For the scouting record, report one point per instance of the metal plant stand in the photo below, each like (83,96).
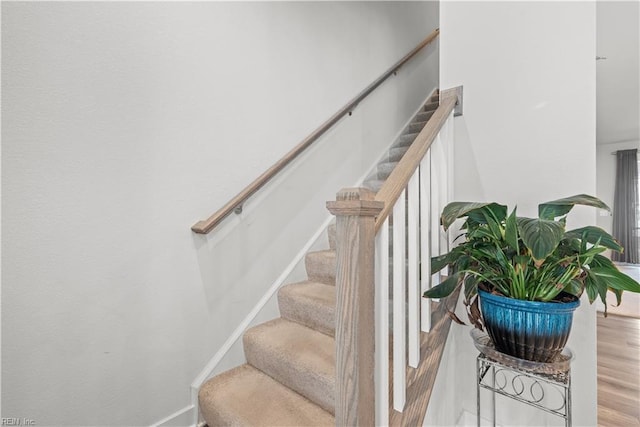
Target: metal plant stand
(546,386)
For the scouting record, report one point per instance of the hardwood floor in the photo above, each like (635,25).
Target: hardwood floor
(618,371)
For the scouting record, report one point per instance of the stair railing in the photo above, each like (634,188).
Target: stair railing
(236,203)
(410,201)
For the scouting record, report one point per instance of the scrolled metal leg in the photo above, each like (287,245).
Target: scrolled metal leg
(493,394)
(479,378)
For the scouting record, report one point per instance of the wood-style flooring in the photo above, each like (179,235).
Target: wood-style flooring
(618,371)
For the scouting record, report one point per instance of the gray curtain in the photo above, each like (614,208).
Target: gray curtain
(625,209)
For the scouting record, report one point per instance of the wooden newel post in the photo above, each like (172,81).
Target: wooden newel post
(355,211)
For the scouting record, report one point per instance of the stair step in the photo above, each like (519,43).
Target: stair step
(311,304)
(374,185)
(435,97)
(321,266)
(431,106)
(423,116)
(416,127)
(245,396)
(396,153)
(385,169)
(406,139)
(296,356)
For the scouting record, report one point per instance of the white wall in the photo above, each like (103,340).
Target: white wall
(618,84)
(527,136)
(125,123)
(444,405)
(618,92)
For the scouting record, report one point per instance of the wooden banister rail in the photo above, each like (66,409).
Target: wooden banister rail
(205,226)
(397,181)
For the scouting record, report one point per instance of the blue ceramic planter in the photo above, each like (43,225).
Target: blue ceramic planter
(530,330)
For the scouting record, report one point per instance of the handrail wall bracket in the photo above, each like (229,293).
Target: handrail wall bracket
(457,92)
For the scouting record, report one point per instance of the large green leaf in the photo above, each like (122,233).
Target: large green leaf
(456,210)
(587,256)
(606,263)
(602,261)
(454,257)
(511,231)
(441,261)
(492,213)
(560,207)
(540,236)
(595,286)
(591,286)
(595,235)
(574,287)
(602,291)
(615,279)
(618,294)
(470,286)
(593,281)
(480,233)
(495,227)
(443,289)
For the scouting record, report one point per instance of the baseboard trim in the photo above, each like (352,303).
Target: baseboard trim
(242,327)
(467,419)
(184,412)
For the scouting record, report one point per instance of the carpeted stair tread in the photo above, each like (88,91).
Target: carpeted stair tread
(321,266)
(416,126)
(311,304)
(296,356)
(431,106)
(384,169)
(374,185)
(406,139)
(245,396)
(423,116)
(396,153)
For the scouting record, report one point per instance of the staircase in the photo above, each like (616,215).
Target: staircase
(375,180)
(289,378)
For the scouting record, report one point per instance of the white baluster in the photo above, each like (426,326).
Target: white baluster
(436,169)
(443,150)
(443,181)
(382,325)
(449,126)
(399,298)
(425,242)
(413,287)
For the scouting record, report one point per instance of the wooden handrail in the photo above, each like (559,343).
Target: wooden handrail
(402,173)
(205,226)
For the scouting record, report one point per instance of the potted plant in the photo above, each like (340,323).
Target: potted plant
(528,272)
